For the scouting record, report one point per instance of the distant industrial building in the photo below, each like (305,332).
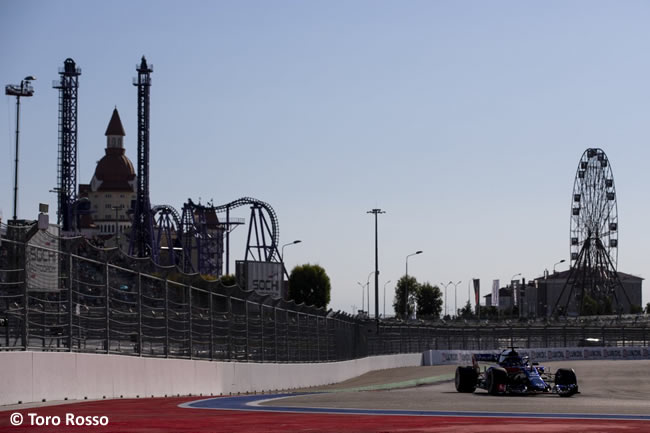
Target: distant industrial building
(538,297)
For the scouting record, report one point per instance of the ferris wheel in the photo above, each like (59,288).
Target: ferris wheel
(594,213)
(593,285)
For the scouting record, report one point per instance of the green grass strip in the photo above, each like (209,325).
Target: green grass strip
(395,385)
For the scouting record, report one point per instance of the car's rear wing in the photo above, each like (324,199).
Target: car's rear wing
(483,357)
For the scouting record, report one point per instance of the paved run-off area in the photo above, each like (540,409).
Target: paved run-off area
(415,399)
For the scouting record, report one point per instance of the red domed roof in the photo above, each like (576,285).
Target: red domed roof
(115,171)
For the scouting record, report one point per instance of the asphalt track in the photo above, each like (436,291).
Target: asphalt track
(615,397)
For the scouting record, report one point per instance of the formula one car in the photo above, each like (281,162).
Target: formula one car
(514,374)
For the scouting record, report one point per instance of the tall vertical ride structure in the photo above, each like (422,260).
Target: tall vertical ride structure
(68,86)
(142,242)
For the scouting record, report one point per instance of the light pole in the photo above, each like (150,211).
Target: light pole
(561,261)
(406,286)
(455,297)
(25,89)
(362,295)
(376,212)
(297,241)
(385,297)
(446,285)
(368,291)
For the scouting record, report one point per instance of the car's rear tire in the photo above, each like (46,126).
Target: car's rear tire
(466,378)
(496,377)
(566,376)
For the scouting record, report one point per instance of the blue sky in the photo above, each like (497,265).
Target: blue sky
(464,120)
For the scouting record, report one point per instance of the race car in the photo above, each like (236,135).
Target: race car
(514,374)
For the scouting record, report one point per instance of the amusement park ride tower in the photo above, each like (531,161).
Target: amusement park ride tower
(142,243)
(68,86)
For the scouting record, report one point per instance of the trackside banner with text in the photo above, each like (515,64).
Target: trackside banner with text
(437,357)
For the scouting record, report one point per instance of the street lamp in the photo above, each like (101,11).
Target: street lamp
(25,89)
(385,297)
(406,286)
(455,298)
(297,241)
(368,292)
(561,261)
(446,285)
(363,286)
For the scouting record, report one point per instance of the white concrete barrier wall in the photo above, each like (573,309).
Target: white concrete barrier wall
(34,376)
(464,357)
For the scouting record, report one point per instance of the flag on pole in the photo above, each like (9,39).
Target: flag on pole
(495,293)
(477,291)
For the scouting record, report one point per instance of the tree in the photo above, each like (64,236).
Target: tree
(467,312)
(635,309)
(429,301)
(589,306)
(309,284)
(400,289)
(228,280)
(647,308)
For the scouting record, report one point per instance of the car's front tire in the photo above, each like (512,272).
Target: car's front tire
(466,378)
(567,377)
(497,379)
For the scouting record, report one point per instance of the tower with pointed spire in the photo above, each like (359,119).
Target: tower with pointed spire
(112,188)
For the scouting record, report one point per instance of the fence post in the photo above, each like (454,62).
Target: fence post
(70,284)
(246,316)
(211,308)
(25,299)
(623,334)
(512,343)
(327,338)
(400,339)
(545,335)
(286,334)
(231,317)
(189,307)
(166,289)
(139,284)
(107,287)
(275,332)
(317,338)
(299,337)
(263,326)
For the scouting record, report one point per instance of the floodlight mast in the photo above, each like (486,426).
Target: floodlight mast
(24,89)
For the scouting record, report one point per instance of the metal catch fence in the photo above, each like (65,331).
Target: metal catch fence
(64,294)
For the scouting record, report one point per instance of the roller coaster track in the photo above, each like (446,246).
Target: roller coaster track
(166,209)
(166,222)
(167,219)
(257,204)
